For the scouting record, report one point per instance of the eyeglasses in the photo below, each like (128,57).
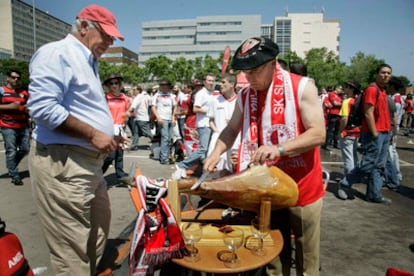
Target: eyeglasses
(113,83)
(102,32)
(15,77)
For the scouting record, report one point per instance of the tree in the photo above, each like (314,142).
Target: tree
(362,68)
(159,67)
(324,67)
(183,70)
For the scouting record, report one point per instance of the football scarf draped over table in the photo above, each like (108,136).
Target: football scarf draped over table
(157,237)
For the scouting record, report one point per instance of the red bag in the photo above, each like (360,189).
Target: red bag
(12,260)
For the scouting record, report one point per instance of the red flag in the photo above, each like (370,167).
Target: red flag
(226,57)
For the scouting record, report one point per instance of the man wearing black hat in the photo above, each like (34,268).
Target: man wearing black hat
(349,135)
(281,124)
(118,104)
(164,107)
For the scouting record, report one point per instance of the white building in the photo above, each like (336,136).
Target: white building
(209,35)
(205,35)
(300,32)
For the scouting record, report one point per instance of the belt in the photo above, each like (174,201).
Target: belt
(88,152)
(85,151)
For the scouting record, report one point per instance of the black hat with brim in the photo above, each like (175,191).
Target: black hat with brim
(254,52)
(354,84)
(112,77)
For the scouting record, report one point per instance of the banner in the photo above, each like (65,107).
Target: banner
(226,58)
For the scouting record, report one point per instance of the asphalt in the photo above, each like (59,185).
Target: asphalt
(357,237)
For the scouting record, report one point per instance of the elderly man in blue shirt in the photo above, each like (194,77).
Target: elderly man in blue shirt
(73,135)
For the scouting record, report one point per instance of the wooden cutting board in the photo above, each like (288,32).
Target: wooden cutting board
(213,236)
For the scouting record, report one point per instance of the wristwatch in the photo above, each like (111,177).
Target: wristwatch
(281,150)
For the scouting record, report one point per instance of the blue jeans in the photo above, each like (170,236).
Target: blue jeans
(166,134)
(142,129)
(204,134)
(332,130)
(181,126)
(349,150)
(16,144)
(392,168)
(118,156)
(374,156)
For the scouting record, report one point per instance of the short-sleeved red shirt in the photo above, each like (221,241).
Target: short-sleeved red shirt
(381,113)
(333,97)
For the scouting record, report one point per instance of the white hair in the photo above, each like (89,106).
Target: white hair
(78,23)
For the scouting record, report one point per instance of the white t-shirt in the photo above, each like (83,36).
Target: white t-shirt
(221,110)
(140,104)
(164,102)
(202,100)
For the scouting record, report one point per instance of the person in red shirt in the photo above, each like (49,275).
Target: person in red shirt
(14,123)
(335,100)
(349,135)
(118,104)
(280,125)
(408,113)
(375,136)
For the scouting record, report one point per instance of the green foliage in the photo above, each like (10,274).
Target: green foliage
(323,66)
(362,68)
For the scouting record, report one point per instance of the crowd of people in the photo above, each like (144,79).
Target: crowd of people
(385,109)
(279,119)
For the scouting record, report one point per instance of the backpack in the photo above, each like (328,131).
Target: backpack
(356,114)
(12,260)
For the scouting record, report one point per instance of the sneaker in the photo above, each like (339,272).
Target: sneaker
(125,181)
(345,193)
(179,173)
(17,181)
(382,200)
(169,162)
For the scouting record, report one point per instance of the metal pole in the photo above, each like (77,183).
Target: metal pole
(34,26)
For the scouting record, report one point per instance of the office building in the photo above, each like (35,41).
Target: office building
(24,29)
(120,55)
(204,35)
(209,35)
(300,32)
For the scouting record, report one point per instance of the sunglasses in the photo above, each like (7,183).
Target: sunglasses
(15,77)
(113,83)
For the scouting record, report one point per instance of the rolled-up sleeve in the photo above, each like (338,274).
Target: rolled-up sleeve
(49,80)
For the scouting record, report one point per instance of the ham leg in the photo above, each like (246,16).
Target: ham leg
(246,189)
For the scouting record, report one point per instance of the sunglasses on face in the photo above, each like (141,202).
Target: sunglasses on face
(113,83)
(15,77)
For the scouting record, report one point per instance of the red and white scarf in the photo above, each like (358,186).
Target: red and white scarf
(157,238)
(278,120)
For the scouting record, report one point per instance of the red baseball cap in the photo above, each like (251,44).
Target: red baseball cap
(104,17)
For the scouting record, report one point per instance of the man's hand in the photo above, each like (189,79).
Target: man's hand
(103,142)
(265,153)
(211,162)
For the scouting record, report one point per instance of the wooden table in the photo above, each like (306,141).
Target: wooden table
(208,254)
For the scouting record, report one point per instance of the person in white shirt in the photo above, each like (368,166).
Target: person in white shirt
(220,112)
(201,105)
(164,107)
(140,106)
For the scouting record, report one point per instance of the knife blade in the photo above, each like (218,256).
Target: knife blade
(200,180)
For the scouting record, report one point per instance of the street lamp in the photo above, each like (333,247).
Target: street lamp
(34,26)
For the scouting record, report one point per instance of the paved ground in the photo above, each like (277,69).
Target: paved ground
(358,238)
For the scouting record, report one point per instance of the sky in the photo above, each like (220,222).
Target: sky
(383,28)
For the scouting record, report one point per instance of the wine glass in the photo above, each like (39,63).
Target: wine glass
(233,239)
(192,233)
(260,229)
